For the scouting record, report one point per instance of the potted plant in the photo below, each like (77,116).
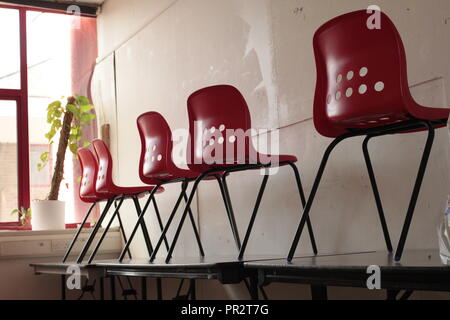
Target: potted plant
(68,120)
(24,217)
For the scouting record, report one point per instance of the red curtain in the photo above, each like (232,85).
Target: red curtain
(84,55)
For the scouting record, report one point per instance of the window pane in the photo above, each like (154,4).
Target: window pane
(10,52)
(8,161)
(48,50)
(49,79)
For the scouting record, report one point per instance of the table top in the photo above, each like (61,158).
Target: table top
(227,269)
(184,262)
(419,269)
(412,259)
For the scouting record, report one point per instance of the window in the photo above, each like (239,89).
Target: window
(8,160)
(10,53)
(35,69)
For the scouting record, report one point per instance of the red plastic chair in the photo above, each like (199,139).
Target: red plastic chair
(88,194)
(362,90)
(222,115)
(105,186)
(158,168)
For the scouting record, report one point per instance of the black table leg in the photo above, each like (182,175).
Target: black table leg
(254,290)
(63,287)
(102,289)
(144,288)
(159,293)
(319,293)
(113,287)
(193,290)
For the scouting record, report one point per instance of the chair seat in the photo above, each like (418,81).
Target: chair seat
(287,158)
(96,198)
(115,191)
(374,121)
(427,113)
(261,159)
(176,174)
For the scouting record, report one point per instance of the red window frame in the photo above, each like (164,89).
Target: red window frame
(21,98)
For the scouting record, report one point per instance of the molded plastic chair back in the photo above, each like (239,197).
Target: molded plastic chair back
(104,177)
(361,75)
(89,171)
(156,162)
(214,113)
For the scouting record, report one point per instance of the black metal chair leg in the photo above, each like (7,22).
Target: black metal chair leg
(376,193)
(122,230)
(183,217)
(147,240)
(314,189)
(94,231)
(253,217)
(160,223)
(229,208)
(194,226)
(231,213)
(138,223)
(75,238)
(416,191)
(108,226)
(303,200)
(169,222)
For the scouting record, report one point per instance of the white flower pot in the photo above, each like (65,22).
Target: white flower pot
(48,215)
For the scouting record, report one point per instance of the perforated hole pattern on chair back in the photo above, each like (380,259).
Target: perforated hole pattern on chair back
(156,147)
(220,117)
(361,74)
(89,171)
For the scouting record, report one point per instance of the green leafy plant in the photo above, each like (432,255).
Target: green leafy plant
(24,215)
(68,120)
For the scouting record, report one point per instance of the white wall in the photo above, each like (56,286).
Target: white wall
(165,50)
(19,282)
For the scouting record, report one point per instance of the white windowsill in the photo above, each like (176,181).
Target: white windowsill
(33,233)
(33,244)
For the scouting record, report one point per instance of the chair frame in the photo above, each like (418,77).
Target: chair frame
(141,223)
(403,127)
(80,229)
(226,196)
(184,185)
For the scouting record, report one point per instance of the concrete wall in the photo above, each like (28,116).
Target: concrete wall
(165,50)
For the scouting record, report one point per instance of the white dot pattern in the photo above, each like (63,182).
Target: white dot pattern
(361,88)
